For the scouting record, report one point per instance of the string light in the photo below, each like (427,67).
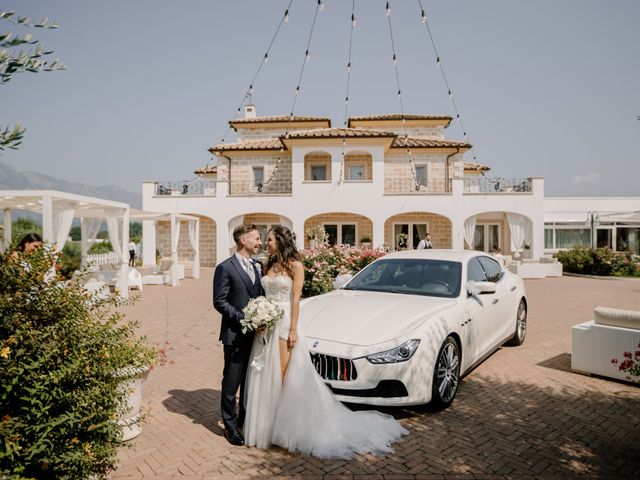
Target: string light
(387,10)
(353,20)
(346,97)
(266,57)
(320,5)
(307,56)
(286,16)
(423,18)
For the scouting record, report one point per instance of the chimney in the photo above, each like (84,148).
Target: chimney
(249,111)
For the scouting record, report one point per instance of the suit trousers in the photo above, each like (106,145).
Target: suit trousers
(236,361)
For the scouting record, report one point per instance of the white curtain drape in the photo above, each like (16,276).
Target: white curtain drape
(89,228)
(519,226)
(194,240)
(469,231)
(114,228)
(62,220)
(175,238)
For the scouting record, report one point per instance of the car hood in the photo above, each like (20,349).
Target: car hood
(366,318)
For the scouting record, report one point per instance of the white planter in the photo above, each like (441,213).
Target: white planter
(132,380)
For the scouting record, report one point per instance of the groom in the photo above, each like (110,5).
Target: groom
(235,282)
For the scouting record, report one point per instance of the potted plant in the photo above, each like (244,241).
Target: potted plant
(365,241)
(61,351)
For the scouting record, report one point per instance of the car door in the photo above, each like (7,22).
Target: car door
(502,317)
(476,311)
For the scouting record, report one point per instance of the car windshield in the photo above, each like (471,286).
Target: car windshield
(434,278)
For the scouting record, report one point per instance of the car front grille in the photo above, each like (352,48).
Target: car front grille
(334,368)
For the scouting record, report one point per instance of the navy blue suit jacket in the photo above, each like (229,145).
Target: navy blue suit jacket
(232,290)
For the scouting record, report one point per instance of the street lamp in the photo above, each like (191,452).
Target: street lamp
(593,221)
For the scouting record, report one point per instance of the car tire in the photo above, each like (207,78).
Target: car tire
(521,325)
(446,375)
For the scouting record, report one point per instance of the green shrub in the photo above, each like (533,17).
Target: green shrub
(599,261)
(322,265)
(59,349)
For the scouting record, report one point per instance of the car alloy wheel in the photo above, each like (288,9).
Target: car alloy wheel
(446,374)
(521,325)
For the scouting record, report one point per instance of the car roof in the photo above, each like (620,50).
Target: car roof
(437,254)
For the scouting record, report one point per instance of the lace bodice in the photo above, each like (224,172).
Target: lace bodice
(278,288)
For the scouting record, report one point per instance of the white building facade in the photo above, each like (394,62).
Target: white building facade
(383,181)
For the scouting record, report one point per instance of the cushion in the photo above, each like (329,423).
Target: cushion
(616,317)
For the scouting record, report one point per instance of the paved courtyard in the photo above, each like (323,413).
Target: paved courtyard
(520,414)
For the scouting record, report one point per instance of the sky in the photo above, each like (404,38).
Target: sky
(546,89)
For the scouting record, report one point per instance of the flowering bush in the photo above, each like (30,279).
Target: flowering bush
(600,261)
(630,364)
(323,264)
(60,348)
(319,234)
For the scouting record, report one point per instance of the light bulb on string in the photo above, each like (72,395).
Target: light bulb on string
(307,56)
(395,59)
(353,20)
(250,89)
(266,57)
(286,16)
(349,67)
(346,100)
(458,117)
(399,93)
(438,62)
(320,5)
(424,17)
(297,90)
(387,10)
(450,95)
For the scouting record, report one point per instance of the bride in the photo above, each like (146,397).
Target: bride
(287,403)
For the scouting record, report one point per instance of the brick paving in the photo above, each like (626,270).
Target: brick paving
(521,414)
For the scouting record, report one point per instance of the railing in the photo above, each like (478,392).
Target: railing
(97,259)
(186,187)
(497,185)
(439,185)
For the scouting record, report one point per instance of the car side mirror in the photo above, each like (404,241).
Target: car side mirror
(480,288)
(341,280)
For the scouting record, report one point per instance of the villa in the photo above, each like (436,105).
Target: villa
(383,181)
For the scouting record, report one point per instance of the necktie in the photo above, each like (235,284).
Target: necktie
(248,265)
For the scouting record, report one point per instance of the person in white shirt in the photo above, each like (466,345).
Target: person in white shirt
(132,253)
(498,256)
(425,242)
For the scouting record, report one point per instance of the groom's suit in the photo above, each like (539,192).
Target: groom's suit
(232,290)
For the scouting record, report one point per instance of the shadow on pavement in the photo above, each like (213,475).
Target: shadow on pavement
(201,406)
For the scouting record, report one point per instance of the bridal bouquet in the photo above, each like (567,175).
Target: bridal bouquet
(260,313)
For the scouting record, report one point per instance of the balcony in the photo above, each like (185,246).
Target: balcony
(497,185)
(408,187)
(201,188)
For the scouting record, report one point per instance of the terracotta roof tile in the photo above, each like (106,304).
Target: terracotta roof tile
(279,119)
(339,133)
(476,166)
(399,116)
(261,144)
(411,142)
(207,169)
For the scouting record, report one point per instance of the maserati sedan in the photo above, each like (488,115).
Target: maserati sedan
(409,326)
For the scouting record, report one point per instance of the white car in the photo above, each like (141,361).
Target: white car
(407,327)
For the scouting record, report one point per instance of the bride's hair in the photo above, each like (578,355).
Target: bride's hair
(287,251)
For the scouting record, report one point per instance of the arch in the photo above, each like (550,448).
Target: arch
(263,220)
(317,166)
(486,237)
(416,224)
(343,228)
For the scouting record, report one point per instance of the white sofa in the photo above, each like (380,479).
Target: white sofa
(594,343)
(536,268)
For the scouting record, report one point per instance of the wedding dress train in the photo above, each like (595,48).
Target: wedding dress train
(302,415)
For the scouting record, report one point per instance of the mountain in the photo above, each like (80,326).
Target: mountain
(13,179)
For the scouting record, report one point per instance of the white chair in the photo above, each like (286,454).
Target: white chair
(594,343)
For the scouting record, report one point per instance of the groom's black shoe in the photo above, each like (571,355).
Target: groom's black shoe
(234,437)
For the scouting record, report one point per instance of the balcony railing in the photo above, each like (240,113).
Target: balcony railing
(439,185)
(497,185)
(186,187)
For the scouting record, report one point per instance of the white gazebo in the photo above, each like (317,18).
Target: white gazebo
(149,220)
(58,209)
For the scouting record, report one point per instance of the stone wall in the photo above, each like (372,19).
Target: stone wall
(398,177)
(242,179)
(185,252)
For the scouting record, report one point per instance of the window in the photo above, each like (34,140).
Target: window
(475,273)
(491,268)
(408,235)
(319,172)
(263,230)
(421,175)
(341,233)
(258,176)
(486,237)
(604,238)
(548,238)
(573,237)
(355,172)
(628,239)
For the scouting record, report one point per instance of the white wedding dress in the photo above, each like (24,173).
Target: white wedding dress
(303,415)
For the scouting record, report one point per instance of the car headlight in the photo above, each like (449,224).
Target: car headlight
(401,353)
